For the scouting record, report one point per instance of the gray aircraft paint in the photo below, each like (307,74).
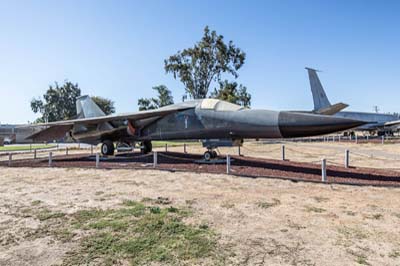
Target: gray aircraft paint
(200,119)
(376,120)
(320,99)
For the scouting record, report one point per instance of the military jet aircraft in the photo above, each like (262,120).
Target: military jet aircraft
(194,120)
(380,123)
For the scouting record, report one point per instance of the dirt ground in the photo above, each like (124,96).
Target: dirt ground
(257,221)
(371,155)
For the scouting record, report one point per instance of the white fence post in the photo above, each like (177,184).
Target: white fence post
(228,163)
(323,170)
(347,159)
(166,147)
(356,139)
(184,148)
(50,158)
(283,152)
(383,139)
(97,160)
(9,159)
(155,159)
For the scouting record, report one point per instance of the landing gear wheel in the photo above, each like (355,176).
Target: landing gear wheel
(207,155)
(147,147)
(214,154)
(107,148)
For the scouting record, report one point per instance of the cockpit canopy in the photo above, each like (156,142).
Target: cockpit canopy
(219,105)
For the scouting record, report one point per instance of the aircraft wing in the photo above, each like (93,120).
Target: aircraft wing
(59,129)
(332,109)
(109,118)
(52,132)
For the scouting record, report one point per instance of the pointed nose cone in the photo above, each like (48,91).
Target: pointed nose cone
(292,125)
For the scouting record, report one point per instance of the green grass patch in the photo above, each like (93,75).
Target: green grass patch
(26,147)
(362,260)
(227,205)
(315,209)
(267,205)
(394,254)
(352,233)
(350,213)
(46,214)
(141,235)
(376,216)
(36,202)
(321,199)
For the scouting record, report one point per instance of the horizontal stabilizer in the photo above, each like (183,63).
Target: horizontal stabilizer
(331,110)
(392,123)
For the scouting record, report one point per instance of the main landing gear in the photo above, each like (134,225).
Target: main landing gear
(107,148)
(146,147)
(210,154)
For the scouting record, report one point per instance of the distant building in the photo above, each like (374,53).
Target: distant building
(16,134)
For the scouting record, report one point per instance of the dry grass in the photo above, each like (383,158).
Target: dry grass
(254,221)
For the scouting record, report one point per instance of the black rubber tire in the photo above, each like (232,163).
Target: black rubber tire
(147,147)
(107,148)
(207,155)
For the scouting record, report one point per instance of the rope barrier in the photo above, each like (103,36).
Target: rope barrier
(334,163)
(313,154)
(174,157)
(143,156)
(373,157)
(263,151)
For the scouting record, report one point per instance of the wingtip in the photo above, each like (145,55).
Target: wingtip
(313,69)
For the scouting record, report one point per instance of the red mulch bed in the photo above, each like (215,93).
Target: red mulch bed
(241,166)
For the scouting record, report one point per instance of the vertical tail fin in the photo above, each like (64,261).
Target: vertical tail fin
(86,107)
(320,99)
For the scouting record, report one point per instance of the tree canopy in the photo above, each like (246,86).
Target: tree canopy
(105,104)
(164,98)
(199,66)
(232,92)
(59,103)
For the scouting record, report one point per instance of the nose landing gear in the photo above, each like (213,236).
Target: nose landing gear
(210,154)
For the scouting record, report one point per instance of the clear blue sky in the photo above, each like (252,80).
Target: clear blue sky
(116,49)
